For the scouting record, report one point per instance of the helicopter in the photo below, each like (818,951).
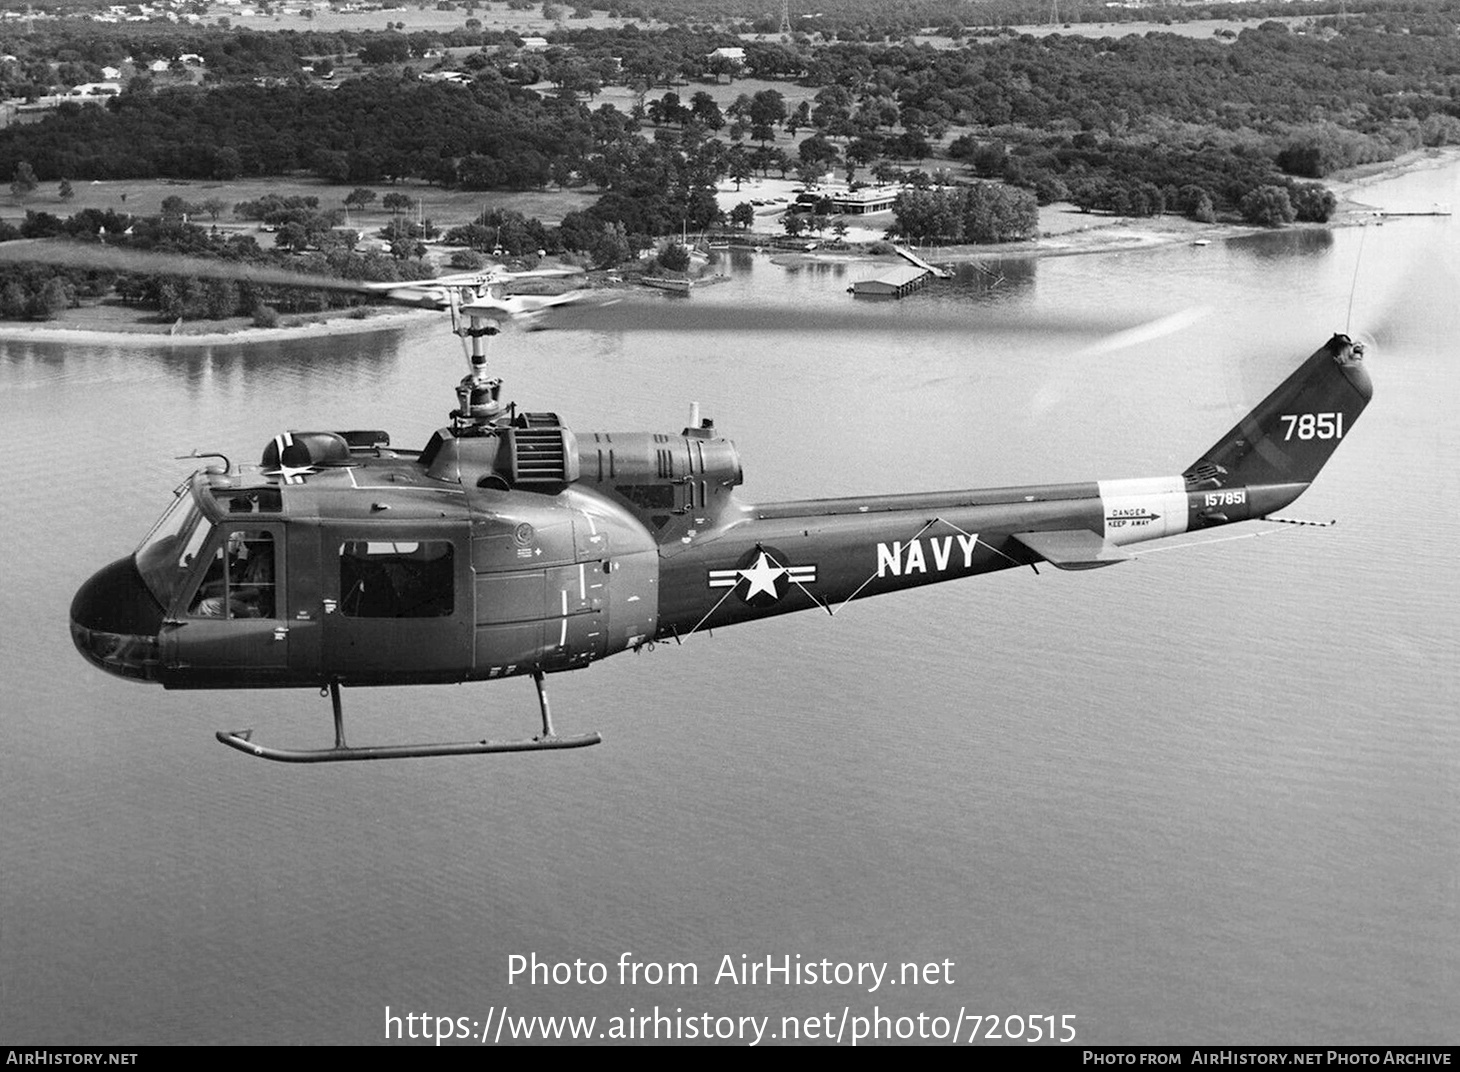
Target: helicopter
(509,545)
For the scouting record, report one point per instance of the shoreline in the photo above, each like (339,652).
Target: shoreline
(395,319)
(1346,183)
(1101,235)
(1122,234)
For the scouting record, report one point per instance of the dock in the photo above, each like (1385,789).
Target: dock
(893,283)
(912,258)
(1439,208)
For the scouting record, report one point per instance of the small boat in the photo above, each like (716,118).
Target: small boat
(1202,242)
(679,286)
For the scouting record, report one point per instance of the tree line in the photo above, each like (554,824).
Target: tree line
(1180,97)
(41,292)
(877,20)
(1135,125)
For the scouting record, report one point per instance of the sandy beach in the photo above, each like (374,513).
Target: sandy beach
(1348,185)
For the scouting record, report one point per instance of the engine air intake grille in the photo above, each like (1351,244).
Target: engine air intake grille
(541,456)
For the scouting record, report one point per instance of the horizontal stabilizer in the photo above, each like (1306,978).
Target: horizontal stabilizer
(1072,549)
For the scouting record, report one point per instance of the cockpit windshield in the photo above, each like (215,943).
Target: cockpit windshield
(167,555)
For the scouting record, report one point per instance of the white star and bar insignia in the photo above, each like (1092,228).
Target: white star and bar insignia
(763,576)
(292,474)
(288,474)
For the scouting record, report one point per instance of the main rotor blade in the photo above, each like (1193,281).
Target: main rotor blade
(615,313)
(482,277)
(94,256)
(1147,332)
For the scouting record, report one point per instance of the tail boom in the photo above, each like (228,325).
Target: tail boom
(778,557)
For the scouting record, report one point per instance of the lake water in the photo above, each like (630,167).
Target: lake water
(1210,796)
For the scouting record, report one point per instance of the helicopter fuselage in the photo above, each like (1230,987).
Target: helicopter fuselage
(521,548)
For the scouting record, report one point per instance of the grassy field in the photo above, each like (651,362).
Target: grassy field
(498,17)
(530,23)
(1198,28)
(143,197)
(724,93)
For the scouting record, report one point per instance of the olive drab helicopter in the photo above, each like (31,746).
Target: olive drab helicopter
(510,545)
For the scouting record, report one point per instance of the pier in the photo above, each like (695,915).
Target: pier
(912,258)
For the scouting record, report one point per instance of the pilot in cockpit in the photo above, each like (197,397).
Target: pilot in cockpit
(240,583)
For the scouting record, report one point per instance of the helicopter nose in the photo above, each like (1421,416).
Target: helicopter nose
(115,622)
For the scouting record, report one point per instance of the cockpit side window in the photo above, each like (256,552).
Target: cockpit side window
(240,582)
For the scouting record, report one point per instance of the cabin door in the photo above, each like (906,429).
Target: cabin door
(395,611)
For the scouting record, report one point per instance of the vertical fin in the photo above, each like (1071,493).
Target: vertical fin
(1292,433)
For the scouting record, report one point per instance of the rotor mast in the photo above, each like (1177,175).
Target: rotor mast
(479,396)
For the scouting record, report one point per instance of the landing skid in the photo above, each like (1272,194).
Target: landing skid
(343,753)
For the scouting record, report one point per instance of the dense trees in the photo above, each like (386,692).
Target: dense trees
(359,197)
(1195,203)
(847,20)
(1129,197)
(42,291)
(1312,202)
(1048,114)
(877,20)
(1268,206)
(983,212)
(24,182)
(375,129)
(1134,125)
(35,295)
(673,258)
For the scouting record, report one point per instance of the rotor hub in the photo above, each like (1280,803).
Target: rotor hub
(479,403)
